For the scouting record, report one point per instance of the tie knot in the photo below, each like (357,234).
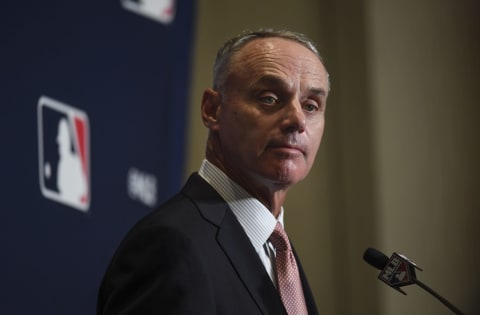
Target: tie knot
(279,238)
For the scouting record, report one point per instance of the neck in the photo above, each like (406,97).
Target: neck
(270,194)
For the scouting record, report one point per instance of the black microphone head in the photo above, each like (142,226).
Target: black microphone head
(375,258)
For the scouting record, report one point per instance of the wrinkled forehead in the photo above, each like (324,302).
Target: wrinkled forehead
(277,56)
(273,47)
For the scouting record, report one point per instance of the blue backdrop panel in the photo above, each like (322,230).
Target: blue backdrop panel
(93,109)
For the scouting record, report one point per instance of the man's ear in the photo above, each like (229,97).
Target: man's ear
(211,109)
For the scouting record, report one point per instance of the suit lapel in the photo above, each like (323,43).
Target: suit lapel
(250,269)
(236,245)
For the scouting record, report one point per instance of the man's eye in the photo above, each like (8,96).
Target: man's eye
(269,100)
(310,107)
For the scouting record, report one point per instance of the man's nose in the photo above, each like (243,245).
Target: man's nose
(294,119)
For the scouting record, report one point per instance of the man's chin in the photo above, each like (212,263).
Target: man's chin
(288,176)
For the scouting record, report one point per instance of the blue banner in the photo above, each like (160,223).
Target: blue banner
(93,105)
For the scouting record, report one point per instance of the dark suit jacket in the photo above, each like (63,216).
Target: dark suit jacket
(190,256)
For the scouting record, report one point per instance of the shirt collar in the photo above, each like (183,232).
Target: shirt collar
(257,221)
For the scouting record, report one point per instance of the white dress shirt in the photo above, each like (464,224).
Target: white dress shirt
(257,221)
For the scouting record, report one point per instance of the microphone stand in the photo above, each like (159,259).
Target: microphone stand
(438,297)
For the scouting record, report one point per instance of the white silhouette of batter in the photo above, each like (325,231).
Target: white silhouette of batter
(71,180)
(162,8)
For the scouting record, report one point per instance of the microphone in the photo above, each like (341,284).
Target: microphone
(399,271)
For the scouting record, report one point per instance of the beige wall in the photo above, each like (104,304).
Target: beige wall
(398,168)
(424,58)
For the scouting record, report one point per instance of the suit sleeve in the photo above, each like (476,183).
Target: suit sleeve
(156,271)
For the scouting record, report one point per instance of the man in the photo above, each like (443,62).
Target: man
(210,249)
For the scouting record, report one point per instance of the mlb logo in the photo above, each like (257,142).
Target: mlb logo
(401,276)
(64,153)
(162,11)
(398,272)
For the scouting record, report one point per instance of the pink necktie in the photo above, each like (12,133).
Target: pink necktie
(288,279)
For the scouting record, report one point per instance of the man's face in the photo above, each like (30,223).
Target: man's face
(272,112)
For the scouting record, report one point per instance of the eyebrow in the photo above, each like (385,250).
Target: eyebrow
(318,91)
(271,79)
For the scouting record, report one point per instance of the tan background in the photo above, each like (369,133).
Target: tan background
(399,165)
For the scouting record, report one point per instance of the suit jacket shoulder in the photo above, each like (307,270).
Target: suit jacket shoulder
(189,256)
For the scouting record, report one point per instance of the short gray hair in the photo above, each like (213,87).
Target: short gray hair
(221,66)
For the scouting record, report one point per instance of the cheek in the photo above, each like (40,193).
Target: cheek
(238,129)
(316,140)
(243,121)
